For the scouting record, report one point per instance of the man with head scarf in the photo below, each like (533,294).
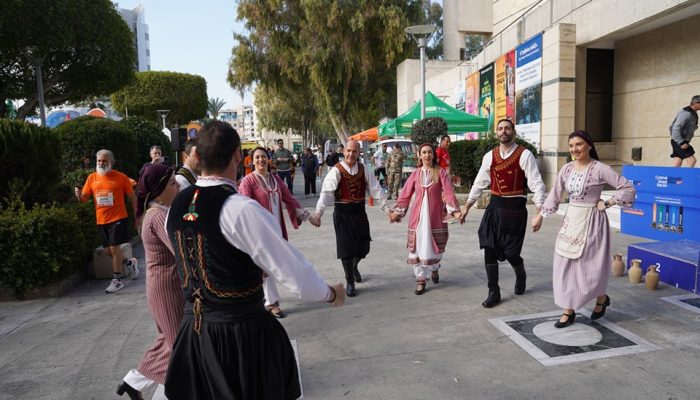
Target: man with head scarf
(508,170)
(109,189)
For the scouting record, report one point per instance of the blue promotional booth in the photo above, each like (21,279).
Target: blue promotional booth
(667,209)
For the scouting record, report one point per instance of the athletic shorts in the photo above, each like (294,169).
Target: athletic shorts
(681,153)
(113,234)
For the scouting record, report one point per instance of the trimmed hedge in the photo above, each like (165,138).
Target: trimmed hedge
(466,156)
(30,156)
(82,137)
(148,134)
(43,244)
(428,130)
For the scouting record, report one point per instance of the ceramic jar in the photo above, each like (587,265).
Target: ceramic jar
(635,271)
(651,280)
(618,267)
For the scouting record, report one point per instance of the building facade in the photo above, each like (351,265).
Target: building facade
(136,20)
(620,70)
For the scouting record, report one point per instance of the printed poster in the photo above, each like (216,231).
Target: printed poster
(505,87)
(486,101)
(528,97)
(471,100)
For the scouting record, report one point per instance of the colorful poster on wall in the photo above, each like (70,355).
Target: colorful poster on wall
(505,87)
(486,102)
(471,100)
(528,82)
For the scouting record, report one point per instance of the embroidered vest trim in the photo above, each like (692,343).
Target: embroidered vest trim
(507,178)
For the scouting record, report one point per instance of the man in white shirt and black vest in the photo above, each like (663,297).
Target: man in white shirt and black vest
(187,174)
(346,185)
(508,170)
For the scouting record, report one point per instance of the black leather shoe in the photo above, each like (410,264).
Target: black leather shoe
(435,277)
(492,299)
(569,320)
(420,287)
(350,289)
(356,273)
(131,392)
(605,304)
(520,280)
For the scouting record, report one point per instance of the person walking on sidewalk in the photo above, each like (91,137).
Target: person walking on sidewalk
(309,166)
(427,230)
(156,190)
(379,161)
(110,189)
(505,169)
(269,190)
(582,249)
(346,185)
(682,130)
(394,167)
(228,345)
(319,157)
(187,174)
(283,160)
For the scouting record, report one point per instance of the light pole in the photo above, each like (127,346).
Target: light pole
(40,89)
(163,114)
(421,34)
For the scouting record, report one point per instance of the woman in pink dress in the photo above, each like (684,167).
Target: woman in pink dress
(582,250)
(156,190)
(270,191)
(427,229)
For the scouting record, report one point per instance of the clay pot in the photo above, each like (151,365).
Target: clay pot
(635,271)
(652,278)
(618,267)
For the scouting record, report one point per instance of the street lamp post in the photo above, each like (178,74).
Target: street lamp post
(163,114)
(40,89)
(421,34)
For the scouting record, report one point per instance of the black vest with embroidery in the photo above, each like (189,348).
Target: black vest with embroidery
(187,174)
(210,268)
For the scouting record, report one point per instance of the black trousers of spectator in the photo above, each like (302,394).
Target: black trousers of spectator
(286,176)
(310,183)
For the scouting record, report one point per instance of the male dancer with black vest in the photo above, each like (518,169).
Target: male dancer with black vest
(508,170)
(229,346)
(346,185)
(187,174)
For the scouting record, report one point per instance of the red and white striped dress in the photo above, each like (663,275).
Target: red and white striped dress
(163,293)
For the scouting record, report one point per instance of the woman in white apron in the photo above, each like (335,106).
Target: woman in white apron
(582,250)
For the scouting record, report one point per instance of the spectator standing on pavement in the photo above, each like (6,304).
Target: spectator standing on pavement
(582,250)
(682,131)
(283,159)
(156,154)
(394,167)
(309,166)
(346,185)
(379,161)
(269,190)
(427,229)
(110,189)
(156,190)
(228,345)
(334,157)
(506,170)
(319,157)
(248,162)
(187,174)
(442,153)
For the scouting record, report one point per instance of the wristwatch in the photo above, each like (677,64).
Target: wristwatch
(606,205)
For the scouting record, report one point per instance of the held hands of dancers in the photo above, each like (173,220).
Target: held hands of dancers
(463,214)
(536,222)
(315,220)
(394,217)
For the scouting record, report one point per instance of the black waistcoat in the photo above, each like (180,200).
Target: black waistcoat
(209,266)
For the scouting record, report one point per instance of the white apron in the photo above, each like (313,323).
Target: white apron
(573,233)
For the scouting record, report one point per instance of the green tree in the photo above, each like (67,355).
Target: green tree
(433,16)
(473,44)
(84,47)
(214,106)
(185,95)
(428,130)
(349,69)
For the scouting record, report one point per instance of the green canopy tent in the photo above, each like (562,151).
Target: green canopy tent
(457,121)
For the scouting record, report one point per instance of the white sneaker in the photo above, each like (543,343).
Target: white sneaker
(135,266)
(115,286)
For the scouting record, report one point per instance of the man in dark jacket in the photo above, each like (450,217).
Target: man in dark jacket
(682,130)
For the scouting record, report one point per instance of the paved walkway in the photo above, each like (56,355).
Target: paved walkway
(388,343)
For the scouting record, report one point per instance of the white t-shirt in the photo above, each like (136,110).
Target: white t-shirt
(380,158)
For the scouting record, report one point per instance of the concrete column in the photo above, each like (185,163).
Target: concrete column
(558,97)
(452,39)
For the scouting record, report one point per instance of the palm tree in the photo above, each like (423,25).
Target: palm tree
(214,107)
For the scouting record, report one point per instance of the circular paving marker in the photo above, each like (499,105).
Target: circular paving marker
(573,335)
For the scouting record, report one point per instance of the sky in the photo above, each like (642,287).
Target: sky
(194,37)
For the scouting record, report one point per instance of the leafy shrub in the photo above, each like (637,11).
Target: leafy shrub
(42,244)
(82,137)
(30,157)
(428,130)
(148,134)
(466,156)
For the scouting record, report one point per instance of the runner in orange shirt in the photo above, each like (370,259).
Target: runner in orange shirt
(109,189)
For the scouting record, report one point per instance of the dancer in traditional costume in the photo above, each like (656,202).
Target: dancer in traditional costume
(346,185)
(427,229)
(582,250)
(270,191)
(228,345)
(505,170)
(155,192)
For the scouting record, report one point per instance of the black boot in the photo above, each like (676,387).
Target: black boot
(494,296)
(355,271)
(349,277)
(520,279)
